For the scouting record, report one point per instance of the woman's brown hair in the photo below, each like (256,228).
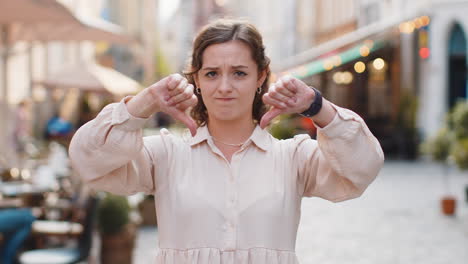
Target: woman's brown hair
(221,31)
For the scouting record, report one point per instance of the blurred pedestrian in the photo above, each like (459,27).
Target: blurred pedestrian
(22,126)
(15,227)
(58,127)
(22,131)
(60,130)
(230,192)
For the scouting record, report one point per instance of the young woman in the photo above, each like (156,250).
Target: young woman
(230,193)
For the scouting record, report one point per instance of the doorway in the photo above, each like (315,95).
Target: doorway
(457,69)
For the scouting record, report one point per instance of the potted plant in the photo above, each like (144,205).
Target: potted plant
(148,211)
(283,127)
(407,137)
(116,230)
(439,148)
(459,124)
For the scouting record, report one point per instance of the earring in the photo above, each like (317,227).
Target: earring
(198,91)
(259,90)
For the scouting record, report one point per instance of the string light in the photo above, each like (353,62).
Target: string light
(14,172)
(345,77)
(378,64)
(359,67)
(424,52)
(364,51)
(328,65)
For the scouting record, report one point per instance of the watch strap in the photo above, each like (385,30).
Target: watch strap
(316,105)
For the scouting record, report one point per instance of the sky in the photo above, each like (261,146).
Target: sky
(167,8)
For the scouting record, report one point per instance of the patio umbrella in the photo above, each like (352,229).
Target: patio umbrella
(48,20)
(18,17)
(34,11)
(93,29)
(91,77)
(40,20)
(86,29)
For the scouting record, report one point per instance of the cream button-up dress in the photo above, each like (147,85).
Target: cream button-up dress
(212,211)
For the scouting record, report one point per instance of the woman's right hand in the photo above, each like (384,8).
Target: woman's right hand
(172,95)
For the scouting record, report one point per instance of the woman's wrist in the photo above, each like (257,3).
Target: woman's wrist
(325,115)
(142,105)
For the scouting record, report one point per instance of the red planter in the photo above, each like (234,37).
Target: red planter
(118,248)
(448,204)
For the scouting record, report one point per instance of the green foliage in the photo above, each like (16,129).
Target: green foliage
(113,214)
(458,120)
(406,132)
(460,153)
(163,67)
(407,111)
(439,147)
(284,128)
(452,140)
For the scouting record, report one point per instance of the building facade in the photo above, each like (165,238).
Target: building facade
(268,16)
(443,74)
(397,63)
(275,19)
(139,20)
(361,56)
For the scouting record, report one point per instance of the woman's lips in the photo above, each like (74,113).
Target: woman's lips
(225,99)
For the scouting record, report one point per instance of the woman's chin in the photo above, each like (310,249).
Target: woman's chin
(225,116)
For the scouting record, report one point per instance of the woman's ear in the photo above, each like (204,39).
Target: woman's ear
(262,77)
(195,79)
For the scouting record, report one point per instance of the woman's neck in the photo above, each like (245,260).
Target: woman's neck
(231,131)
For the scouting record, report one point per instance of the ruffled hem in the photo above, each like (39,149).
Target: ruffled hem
(217,256)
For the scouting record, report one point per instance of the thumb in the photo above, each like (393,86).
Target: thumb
(268,116)
(187,121)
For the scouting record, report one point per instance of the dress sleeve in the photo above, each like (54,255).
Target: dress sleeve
(343,161)
(110,153)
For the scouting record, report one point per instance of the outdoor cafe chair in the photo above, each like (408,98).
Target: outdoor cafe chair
(67,255)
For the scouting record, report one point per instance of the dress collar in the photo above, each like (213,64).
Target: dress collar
(260,137)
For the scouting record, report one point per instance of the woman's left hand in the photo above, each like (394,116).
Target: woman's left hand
(287,96)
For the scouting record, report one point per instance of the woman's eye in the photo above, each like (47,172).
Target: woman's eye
(210,74)
(240,73)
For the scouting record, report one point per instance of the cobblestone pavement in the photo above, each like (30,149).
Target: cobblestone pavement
(396,221)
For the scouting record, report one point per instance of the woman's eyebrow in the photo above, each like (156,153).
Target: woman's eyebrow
(240,66)
(212,68)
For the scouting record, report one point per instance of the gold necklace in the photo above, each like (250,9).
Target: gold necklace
(228,144)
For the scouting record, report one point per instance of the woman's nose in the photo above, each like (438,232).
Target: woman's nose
(225,85)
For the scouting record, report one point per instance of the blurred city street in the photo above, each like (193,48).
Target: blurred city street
(397,221)
(402,66)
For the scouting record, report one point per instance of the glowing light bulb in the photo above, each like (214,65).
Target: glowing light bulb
(364,51)
(378,64)
(359,67)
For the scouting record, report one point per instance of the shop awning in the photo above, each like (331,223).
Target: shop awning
(88,29)
(32,12)
(346,48)
(334,60)
(84,29)
(49,20)
(91,77)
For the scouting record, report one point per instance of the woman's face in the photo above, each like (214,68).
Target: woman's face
(228,80)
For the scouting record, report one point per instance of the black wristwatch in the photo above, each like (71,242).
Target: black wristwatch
(316,105)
